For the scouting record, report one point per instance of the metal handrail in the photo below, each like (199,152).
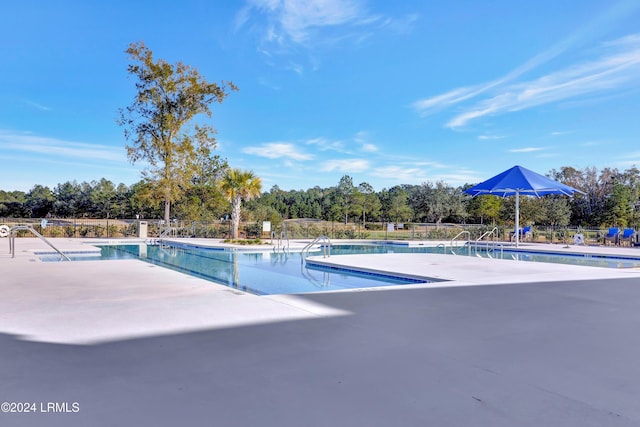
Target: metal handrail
(468,233)
(280,241)
(326,277)
(167,231)
(493,232)
(283,236)
(326,249)
(12,240)
(465,232)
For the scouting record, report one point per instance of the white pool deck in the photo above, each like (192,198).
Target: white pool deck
(137,344)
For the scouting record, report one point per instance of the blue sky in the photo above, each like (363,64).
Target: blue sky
(386,92)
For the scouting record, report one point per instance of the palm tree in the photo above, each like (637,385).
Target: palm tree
(237,185)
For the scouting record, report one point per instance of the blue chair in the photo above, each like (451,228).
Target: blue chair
(628,235)
(524,233)
(613,235)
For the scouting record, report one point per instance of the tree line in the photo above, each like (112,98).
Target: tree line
(612,199)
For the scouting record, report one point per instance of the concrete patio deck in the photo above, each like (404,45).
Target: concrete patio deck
(135,344)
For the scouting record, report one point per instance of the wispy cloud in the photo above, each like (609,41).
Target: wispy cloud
(345,165)
(36,105)
(592,143)
(525,150)
(430,164)
(26,142)
(402,25)
(291,27)
(458,178)
(294,21)
(615,67)
(268,83)
(400,174)
(276,150)
(490,137)
(436,103)
(362,138)
(324,144)
(369,148)
(611,71)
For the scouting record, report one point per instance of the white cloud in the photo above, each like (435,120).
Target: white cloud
(592,143)
(430,164)
(369,148)
(45,146)
(403,25)
(295,20)
(298,17)
(36,105)
(489,137)
(275,150)
(400,174)
(267,83)
(345,165)
(362,139)
(327,145)
(458,178)
(616,69)
(525,150)
(439,102)
(419,172)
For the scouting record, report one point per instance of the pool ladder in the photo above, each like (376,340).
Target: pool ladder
(12,240)
(455,239)
(169,232)
(280,241)
(325,245)
(489,248)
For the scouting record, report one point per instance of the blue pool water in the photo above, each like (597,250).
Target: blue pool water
(590,260)
(266,273)
(261,273)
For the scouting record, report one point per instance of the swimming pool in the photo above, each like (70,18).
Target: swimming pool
(267,272)
(508,253)
(261,273)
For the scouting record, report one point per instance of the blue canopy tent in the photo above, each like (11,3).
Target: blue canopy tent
(517,181)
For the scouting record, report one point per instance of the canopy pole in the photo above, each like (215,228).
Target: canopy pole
(517,216)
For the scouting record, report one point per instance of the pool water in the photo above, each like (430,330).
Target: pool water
(261,273)
(265,273)
(589,260)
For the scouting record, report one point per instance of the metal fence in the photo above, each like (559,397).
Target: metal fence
(296,229)
(76,227)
